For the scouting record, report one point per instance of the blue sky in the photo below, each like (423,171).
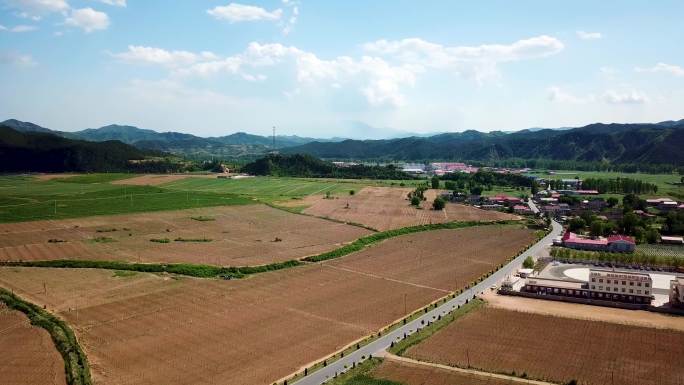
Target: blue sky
(346,68)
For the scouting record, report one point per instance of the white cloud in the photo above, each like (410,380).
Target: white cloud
(87,19)
(116,3)
(3,28)
(23,28)
(293,6)
(626,97)
(589,35)
(158,56)
(556,94)
(18,60)
(36,8)
(235,12)
(671,69)
(479,62)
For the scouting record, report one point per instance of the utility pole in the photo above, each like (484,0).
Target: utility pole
(405,303)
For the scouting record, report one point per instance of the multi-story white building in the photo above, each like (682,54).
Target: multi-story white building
(677,292)
(620,286)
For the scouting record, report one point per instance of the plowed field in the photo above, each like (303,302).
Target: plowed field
(239,236)
(27,354)
(557,349)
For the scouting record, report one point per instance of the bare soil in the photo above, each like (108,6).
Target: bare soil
(585,312)
(441,259)
(27,354)
(45,177)
(415,374)
(385,208)
(557,349)
(152,329)
(240,236)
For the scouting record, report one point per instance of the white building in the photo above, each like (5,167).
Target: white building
(620,286)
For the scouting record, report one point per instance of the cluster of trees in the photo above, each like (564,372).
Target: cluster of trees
(588,166)
(300,165)
(644,230)
(624,258)
(619,185)
(481,181)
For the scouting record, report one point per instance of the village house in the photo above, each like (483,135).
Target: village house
(614,243)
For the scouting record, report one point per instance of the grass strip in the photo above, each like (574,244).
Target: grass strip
(361,375)
(400,347)
(193,270)
(366,241)
(76,366)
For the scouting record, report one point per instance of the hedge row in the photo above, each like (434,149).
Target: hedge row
(76,366)
(193,270)
(364,242)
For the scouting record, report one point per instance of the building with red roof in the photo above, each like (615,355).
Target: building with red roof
(614,243)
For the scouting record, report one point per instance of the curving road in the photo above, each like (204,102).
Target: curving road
(378,347)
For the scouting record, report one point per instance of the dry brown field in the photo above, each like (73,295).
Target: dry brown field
(27,353)
(441,259)
(586,312)
(240,236)
(557,349)
(415,374)
(151,179)
(46,177)
(151,329)
(384,208)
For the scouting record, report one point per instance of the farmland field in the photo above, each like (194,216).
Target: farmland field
(440,259)
(415,374)
(213,331)
(27,198)
(661,250)
(557,349)
(385,208)
(27,353)
(59,196)
(233,236)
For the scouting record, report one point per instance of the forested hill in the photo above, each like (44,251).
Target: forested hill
(307,166)
(44,152)
(658,143)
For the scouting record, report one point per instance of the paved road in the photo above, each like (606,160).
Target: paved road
(377,347)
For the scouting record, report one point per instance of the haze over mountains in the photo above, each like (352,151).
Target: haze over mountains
(651,143)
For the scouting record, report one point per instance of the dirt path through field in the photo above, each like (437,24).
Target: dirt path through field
(511,379)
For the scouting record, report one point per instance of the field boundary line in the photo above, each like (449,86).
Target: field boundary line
(393,357)
(385,278)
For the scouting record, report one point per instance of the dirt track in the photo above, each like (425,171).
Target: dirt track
(27,353)
(385,208)
(240,235)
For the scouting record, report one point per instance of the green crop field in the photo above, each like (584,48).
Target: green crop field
(270,189)
(25,198)
(668,184)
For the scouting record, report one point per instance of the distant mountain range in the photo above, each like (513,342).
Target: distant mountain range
(652,143)
(239,144)
(645,143)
